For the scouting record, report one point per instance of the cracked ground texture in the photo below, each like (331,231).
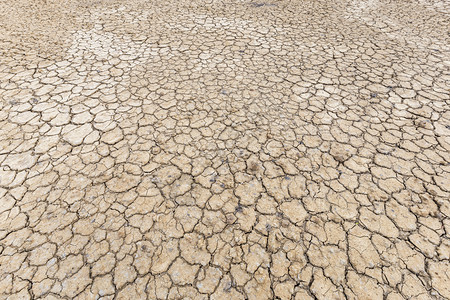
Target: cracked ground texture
(224,149)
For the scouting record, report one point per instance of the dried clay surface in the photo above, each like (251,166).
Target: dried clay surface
(224,149)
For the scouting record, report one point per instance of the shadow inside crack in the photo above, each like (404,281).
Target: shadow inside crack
(256,4)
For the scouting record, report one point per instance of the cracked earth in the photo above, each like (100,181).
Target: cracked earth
(224,149)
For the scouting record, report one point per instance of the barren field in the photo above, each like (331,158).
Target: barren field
(228,149)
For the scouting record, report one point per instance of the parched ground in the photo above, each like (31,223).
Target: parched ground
(230,149)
